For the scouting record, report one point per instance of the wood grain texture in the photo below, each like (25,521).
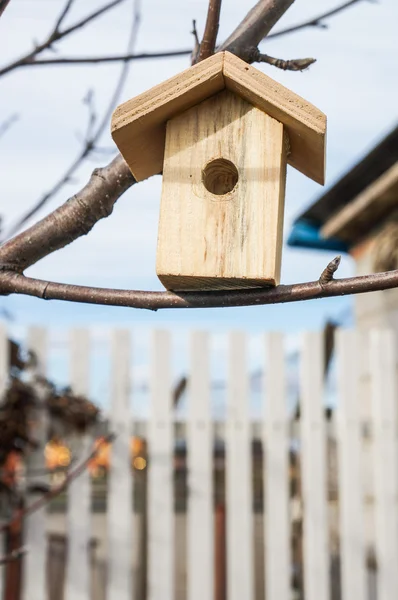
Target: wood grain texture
(363,212)
(305,124)
(139,125)
(209,241)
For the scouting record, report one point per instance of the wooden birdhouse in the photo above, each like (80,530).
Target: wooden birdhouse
(221,133)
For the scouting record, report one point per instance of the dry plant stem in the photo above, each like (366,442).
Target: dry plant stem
(57,35)
(15,283)
(208,42)
(74,218)
(45,498)
(315,21)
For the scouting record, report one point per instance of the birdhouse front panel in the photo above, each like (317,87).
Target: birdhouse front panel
(221,214)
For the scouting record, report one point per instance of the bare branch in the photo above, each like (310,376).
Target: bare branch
(45,498)
(194,53)
(3,6)
(73,219)
(92,137)
(255,27)
(63,15)
(328,273)
(86,60)
(296,64)
(208,43)
(15,283)
(316,21)
(57,35)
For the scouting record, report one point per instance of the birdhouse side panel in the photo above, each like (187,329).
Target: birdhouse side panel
(221,214)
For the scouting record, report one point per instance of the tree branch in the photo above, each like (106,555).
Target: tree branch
(86,60)
(208,42)
(73,219)
(315,21)
(92,137)
(15,283)
(255,27)
(296,64)
(56,35)
(3,5)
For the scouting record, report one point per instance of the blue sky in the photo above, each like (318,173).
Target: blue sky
(353,82)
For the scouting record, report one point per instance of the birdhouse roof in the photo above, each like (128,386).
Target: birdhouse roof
(139,125)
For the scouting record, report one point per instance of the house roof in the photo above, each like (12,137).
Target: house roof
(139,125)
(354,204)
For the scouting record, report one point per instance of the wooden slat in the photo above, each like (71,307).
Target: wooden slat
(313,469)
(304,123)
(77,585)
(200,569)
(369,206)
(4,372)
(232,239)
(139,125)
(239,495)
(352,549)
(160,475)
(34,571)
(120,535)
(383,365)
(276,473)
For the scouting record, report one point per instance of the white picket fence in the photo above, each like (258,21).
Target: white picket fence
(360,358)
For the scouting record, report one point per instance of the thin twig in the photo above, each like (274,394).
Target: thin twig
(86,60)
(15,283)
(63,15)
(9,122)
(194,53)
(328,273)
(91,139)
(315,21)
(208,43)
(14,554)
(295,64)
(57,35)
(43,500)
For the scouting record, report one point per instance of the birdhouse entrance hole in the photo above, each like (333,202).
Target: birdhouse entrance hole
(220,176)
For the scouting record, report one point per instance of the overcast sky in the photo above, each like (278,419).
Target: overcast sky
(354,82)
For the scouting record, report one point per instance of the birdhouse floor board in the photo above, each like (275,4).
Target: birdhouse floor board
(221,213)
(211,284)
(139,125)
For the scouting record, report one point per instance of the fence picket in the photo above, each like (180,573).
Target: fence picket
(313,469)
(276,473)
(34,574)
(4,369)
(78,576)
(383,364)
(200,562)
(160,474)
(352,549)
(119,517)
(239,495)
